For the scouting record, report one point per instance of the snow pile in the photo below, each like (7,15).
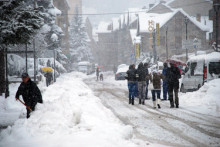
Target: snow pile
(206,100)
(70,116)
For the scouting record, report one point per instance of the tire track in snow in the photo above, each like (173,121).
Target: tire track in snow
(122,96)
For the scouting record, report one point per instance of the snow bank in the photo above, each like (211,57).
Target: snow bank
(70,116)
(206,100)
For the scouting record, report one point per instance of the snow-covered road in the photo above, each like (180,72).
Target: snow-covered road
(80,111)
(172,127)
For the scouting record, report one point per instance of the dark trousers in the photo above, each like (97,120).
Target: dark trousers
(165,90)
(141,91)
(154,93)
(146,94)
(28,111)
(131,88)
(172,88)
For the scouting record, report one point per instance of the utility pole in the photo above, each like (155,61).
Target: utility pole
(154,46)
(186,20)
(217,9)
(167,54)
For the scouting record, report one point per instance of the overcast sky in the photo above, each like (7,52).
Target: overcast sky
(111,6)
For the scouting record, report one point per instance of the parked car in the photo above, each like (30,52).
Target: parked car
(200,69)
(121,72)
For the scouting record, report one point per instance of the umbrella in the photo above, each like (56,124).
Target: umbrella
(47,69)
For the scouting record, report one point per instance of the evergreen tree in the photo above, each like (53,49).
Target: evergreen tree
(79,48)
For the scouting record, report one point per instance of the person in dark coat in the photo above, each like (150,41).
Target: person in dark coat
(173,76)
(49,78)
(147,80)
(30,93)
(165,83)
(141,78)
(131,77)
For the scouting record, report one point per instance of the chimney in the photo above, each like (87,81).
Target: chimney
(198,17)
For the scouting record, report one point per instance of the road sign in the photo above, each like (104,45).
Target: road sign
(197,43)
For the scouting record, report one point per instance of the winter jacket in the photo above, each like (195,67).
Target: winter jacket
(49,76)
(173,76)
(30,93)
(131,74)
(164,73)
(141,73)
(156,80)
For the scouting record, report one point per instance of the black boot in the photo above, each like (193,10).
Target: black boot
(158,105)
(143,103)
(129,100)
(139,101)
(132,101)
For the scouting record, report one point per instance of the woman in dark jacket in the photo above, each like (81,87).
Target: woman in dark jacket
(131,77)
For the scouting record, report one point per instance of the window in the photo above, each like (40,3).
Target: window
(214,68)
(192,68)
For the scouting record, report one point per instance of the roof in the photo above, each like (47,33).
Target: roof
(162,19)
(207,57)
(103,27)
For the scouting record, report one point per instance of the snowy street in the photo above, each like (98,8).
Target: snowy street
(172,127)
(75,113)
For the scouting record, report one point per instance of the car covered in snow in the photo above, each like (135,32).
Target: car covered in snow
(200,69)
(121,72)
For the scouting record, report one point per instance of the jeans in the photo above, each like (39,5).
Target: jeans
(165,89)
(154,93)
(141,90)
(131,88)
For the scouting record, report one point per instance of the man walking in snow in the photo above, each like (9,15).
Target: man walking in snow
(30,93)
(173,76)
(147,80)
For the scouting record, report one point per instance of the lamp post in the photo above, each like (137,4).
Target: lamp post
(167,54)
(217,9)
(186,20)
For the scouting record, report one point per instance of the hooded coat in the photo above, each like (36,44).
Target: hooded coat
(141,72)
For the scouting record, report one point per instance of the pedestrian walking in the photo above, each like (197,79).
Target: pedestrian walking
(131,77)
(147,80)
(155,78)
(49,78)
(165,81)
(141,78)
(97,73)
(173,76)
(101,77)
(30,93)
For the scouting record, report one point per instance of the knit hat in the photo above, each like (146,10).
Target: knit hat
(24,75)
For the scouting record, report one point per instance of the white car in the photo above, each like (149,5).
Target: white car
(200,69)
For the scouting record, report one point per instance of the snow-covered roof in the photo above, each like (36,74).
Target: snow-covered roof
(134,37)
(115,24)
(214,56)
(162,19)
(103,27)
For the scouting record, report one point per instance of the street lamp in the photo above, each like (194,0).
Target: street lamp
(186,20)
(217,9)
